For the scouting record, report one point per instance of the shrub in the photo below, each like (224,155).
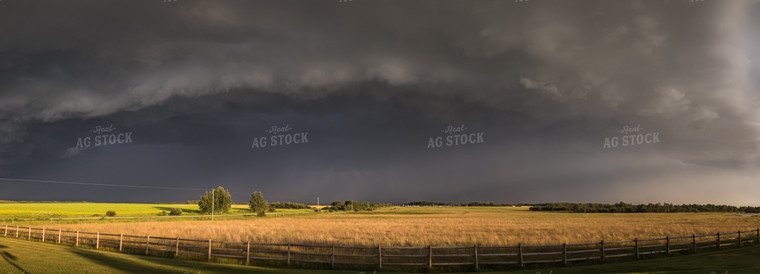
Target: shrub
(111,213)
(175,212)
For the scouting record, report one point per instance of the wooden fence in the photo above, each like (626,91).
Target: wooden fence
(378,257)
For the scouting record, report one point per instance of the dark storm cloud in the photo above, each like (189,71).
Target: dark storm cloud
(547,81)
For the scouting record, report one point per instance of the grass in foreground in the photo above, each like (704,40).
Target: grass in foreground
(21,256)
(732,261)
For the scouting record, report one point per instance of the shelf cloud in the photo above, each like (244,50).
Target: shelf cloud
(372,81)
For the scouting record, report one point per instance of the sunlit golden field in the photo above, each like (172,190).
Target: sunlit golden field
(438,226)
(85,209)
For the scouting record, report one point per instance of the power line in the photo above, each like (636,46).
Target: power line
(16,180)
(96,184)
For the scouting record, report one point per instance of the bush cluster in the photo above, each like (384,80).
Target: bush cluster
(289,205)
(352,205)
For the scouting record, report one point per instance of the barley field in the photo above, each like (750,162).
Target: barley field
(437,226)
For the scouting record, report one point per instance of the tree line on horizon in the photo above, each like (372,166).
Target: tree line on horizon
(223,202)
(428,203)
(622,207)
(220,201)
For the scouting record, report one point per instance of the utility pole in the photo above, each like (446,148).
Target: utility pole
(213,201)
(318,209)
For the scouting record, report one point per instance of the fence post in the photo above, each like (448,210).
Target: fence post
(77,241)
(636,241)
(209,251)
(332,260)
(121,241)
(380,256)
(564,253)
(5,233)
(718,240)
(667,245)
(288,253)
(97,240)
(248,252)
(30,233)
(477,264)
(176,249)
(602,250)
(739,239)
(147,244)
(43,234)
(59,236)
(16,231)
(693,243)
(430,256)
(519,255)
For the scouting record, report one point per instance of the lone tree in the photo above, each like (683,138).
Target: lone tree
(258,204)
(221,198)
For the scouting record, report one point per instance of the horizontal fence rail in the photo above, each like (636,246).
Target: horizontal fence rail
(383,256)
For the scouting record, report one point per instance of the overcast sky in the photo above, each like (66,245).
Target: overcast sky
(546,83)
